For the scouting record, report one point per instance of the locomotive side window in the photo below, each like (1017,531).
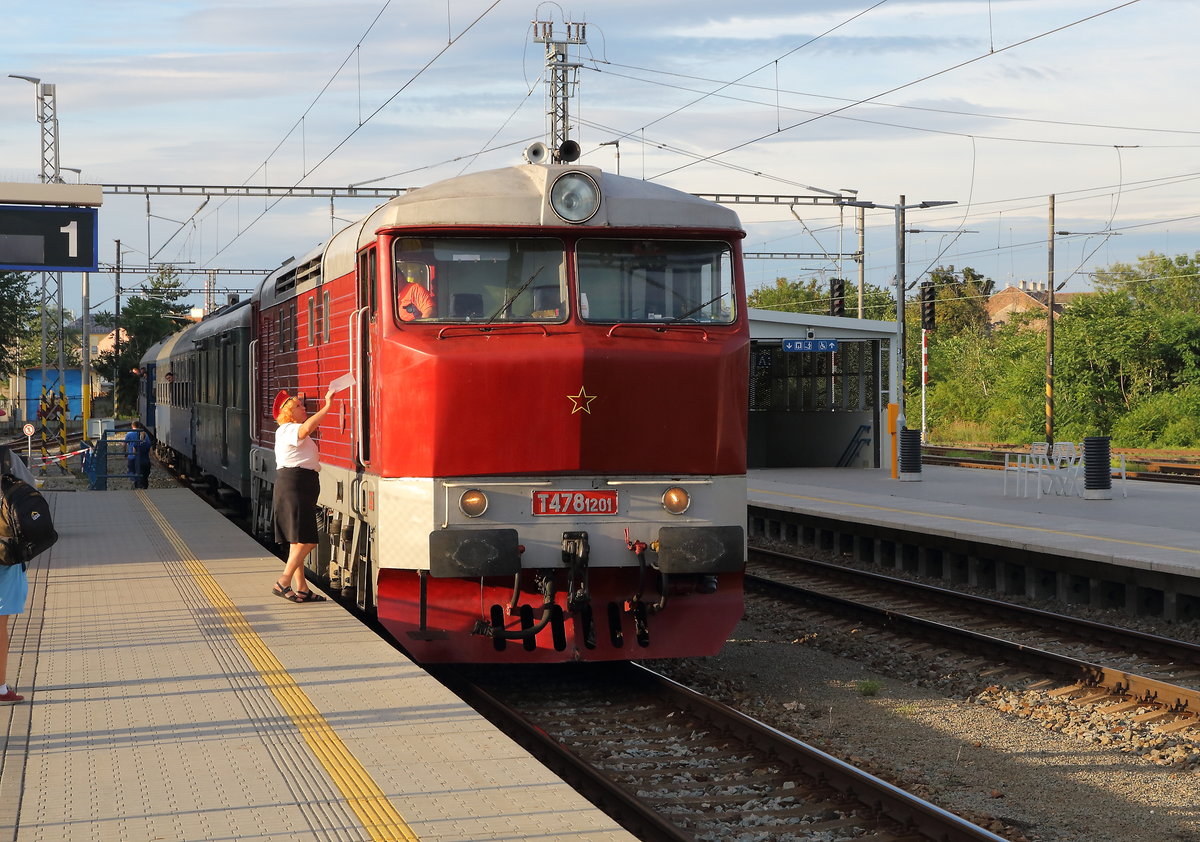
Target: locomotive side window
(655,281)
(327,317)
(479,280)
(312,320)
(367,281)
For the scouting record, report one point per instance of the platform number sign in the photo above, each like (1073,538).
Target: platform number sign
(48,239)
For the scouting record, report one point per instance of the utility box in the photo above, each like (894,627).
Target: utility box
(99,426)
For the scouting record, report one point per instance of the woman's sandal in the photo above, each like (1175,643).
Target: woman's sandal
(305,596)
(286,592)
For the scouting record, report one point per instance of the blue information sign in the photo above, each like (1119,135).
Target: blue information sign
(810,344)
(48,239)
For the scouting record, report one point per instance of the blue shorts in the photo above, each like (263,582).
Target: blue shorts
(14,588)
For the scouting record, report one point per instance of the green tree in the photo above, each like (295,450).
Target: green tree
(1157,282)
(1128,357)
(146,318)
(18,307)
(813,296)
(988,386)
(1127,363)
(961,301)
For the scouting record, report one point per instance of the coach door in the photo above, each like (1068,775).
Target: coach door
(360,350)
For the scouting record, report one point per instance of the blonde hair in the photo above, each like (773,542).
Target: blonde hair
(285,413)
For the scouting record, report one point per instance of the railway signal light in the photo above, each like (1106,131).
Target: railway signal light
(927,298)
(837,297)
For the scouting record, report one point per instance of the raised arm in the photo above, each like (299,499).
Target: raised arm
(313,420)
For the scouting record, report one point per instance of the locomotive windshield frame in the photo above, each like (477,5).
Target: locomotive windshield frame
(655,280)
(483,279)
(504,279)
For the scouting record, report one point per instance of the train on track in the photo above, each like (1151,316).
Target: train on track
(544,458)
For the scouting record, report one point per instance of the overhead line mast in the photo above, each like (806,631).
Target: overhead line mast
(562,75)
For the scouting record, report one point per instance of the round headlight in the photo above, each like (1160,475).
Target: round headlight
(676,501)
(575,197)
(473,503)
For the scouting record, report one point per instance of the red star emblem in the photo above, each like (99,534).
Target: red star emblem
(582,401)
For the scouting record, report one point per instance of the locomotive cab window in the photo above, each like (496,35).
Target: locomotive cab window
(655,281)
(478,280)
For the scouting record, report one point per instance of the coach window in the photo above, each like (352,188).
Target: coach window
(655,281)
(478,280)
(312,320)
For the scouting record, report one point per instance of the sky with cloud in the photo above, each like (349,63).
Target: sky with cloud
(991,104)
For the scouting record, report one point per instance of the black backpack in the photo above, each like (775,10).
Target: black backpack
(26,527)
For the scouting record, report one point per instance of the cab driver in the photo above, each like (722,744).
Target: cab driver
(413,301)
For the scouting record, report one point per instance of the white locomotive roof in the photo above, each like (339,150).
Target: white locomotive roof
(513,196)
(517,196)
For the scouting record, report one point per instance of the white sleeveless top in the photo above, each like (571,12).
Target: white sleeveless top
(291,451)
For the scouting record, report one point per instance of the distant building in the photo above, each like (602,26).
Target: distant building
(108,342)
(1026,296)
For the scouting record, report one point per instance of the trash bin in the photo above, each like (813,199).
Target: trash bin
(910,455)
(1097,468)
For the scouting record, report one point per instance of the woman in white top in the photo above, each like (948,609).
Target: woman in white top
(297,486)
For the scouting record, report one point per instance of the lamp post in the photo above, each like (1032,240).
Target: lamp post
(899,372)
(47,117)
(48,172)
(617,146)
(46,100)
(899,208)
(926,328)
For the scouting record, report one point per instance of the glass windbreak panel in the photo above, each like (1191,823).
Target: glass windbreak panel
(481,280)
(655,281)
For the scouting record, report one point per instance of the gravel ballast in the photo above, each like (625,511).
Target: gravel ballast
(1010,771)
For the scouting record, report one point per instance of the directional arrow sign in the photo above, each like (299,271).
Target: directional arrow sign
(810,345)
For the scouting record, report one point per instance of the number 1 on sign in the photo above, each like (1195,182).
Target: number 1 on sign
(71,229)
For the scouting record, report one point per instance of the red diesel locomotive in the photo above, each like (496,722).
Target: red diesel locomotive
(543,457)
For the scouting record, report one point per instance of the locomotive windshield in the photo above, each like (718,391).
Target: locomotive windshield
(479,280)
(495,280)
(655,281)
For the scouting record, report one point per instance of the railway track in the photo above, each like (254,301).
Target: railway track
(671,764)
(1157,677)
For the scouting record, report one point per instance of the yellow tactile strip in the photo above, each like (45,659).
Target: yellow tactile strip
(377,814)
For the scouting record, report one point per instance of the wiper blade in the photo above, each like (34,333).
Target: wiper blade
(517,294)
(698,308)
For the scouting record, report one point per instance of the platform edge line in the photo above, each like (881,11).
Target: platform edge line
(373,808)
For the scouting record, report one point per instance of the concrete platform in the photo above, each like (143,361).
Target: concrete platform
(171,696)
(1157,527)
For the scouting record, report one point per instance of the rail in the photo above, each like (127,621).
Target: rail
(670,722)
(1171,655)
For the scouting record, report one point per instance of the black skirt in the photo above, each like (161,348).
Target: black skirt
(295,504)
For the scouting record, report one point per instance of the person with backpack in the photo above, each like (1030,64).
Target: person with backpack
(138,442)
(14,585)
(14,589)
